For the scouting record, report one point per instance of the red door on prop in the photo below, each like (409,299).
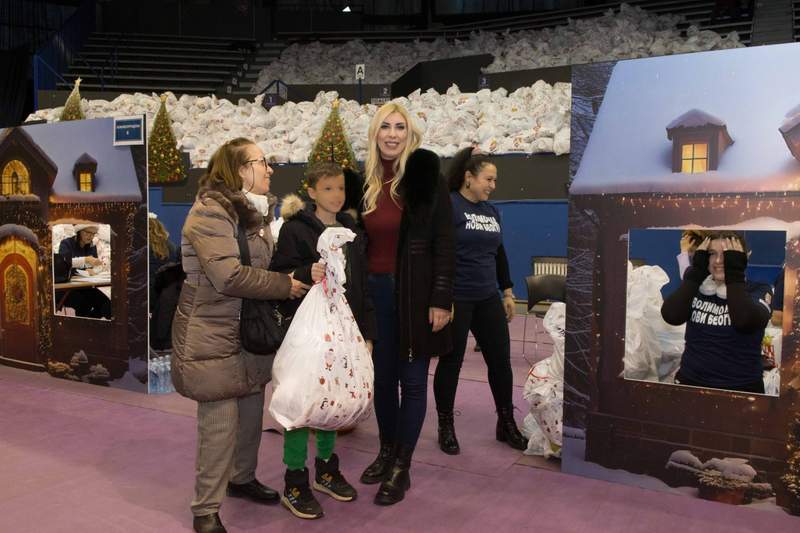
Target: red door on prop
(18,309)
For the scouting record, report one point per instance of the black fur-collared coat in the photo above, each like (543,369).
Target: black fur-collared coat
(425,257)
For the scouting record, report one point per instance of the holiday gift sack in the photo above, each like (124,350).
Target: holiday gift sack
(322,376)
(545,393)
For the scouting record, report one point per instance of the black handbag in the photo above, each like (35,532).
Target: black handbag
(262,326)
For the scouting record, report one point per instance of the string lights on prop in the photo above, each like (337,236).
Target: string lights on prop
(750,202)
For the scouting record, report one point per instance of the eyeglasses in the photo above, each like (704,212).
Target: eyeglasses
(262,160)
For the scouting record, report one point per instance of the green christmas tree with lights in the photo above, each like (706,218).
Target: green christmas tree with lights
(792,475)
(332,144)
(72,108)
(164,159)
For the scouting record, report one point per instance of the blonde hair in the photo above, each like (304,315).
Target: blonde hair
(223,167)
(158,238)
(373,169)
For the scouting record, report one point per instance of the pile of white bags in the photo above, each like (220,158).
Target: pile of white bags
(323,375)
(653,348)
(544,390)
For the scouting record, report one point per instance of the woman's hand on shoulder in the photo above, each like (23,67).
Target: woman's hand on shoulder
(438,318)
(298,290)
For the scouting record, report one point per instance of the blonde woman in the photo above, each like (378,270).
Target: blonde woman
(208,363)
(407,217)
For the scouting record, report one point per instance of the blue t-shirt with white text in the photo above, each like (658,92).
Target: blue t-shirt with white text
(716,353)
(478,236)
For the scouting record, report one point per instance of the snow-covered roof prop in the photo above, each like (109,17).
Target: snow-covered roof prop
(694,118)
(751,88)
(20,232)
(86,159)
(790,123)
(66,142)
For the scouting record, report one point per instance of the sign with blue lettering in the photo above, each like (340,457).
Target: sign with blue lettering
(128,130)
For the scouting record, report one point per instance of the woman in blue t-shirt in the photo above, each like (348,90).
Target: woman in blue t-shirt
(725,317)
(481,265)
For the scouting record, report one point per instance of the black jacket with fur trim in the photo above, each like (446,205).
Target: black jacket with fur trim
(425,257)
(296,251)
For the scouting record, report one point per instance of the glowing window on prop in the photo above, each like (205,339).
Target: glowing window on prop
(694,157)
(15,178)
(86,182)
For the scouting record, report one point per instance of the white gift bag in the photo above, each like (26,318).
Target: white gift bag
(322,376)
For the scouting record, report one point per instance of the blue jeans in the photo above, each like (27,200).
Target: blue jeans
(400,413)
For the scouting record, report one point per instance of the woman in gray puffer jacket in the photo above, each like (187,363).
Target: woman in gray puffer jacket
(209,364)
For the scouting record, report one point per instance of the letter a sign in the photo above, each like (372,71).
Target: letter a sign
(360,71)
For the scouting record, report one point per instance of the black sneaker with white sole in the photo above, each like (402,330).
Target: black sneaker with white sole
(329,479)
(297,496)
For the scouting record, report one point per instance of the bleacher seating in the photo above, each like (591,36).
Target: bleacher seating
(155,63)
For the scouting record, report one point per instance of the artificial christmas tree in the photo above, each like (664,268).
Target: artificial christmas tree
(72,107)
(164,159)
(332,144)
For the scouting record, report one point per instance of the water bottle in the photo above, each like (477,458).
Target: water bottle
(168,374)
(153,376)
(160,371)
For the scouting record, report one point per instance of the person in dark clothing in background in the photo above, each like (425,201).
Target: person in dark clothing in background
(481,265)
(165,278)
(725,317)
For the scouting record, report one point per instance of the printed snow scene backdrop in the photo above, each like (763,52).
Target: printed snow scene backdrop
(702,141)
(73,248)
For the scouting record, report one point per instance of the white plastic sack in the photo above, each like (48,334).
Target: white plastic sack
(544,390)
(322,375)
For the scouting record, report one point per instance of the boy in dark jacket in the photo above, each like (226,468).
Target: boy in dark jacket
(296,252)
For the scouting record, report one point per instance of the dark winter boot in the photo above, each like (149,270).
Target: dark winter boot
(297,496)
(507,430)
(329,479)
(447,434)
(394,488)
(209,523)
(379,469)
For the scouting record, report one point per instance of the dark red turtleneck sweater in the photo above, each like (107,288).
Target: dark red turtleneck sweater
(383,228)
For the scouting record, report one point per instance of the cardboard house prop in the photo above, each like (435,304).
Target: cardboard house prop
(723,162)
(53,175)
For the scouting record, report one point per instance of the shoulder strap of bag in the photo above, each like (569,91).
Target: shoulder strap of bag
(244,249)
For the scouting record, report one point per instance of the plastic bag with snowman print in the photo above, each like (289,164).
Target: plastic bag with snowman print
(322,376)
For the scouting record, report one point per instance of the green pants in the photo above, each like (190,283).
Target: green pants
(295,446)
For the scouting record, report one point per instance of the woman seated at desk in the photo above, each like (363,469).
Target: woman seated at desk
(79,252)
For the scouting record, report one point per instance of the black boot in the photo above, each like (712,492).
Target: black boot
(209,523)
(297,496)
(379,469)
(329,479)
(447,434)
(394,488)
(507,430)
